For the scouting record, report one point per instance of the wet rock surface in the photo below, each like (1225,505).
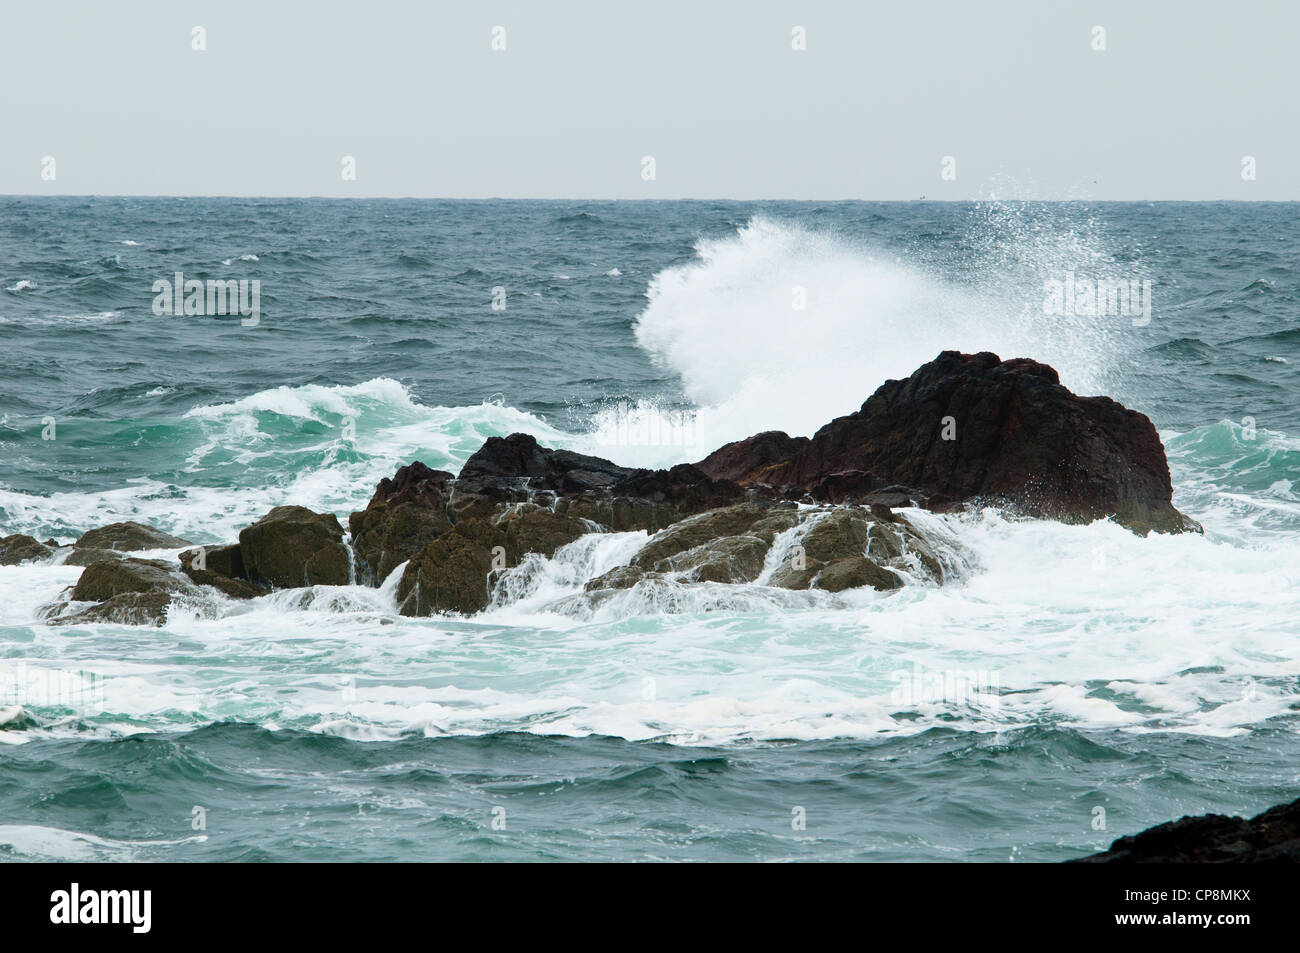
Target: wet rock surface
(129,537)
(1270,837)
(292,546)
(794,513)
(19,548)
(127,591)
(972,428)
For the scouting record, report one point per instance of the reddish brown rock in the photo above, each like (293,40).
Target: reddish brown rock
(972,428)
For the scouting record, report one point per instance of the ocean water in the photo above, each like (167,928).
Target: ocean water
(1077,674)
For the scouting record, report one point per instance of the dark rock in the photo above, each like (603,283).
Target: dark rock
(223,569)
(19,548)
(128,592)
(754,459)
(830,554)
(517,469)
(751,519)
(111,577)
(291,546)
(128,608)
(72,556)
(1021,439)
(454,573)
(620,577)
(731,559)
(406,513)
(853,572)
(1212,838)
(129,537)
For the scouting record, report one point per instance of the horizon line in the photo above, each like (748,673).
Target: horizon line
(531,198)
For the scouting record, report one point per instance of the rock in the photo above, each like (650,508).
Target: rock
(517,469)
(223,569)
(72,556)
(854,572)
(1212,838)
(291,546)
(754,459)
(129,608)
(620,577)
(129,537)
(731,559)
(676,493)
(832,535)
(454,572)
(405,514)
(836,542)
(128,591)
(19,548)
(751,519)
(111,577)
(1020,439)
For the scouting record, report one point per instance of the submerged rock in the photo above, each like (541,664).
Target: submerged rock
(20,548)
(1212,838)
(292,546)
(972,428)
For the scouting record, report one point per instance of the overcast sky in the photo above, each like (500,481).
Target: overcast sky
(1014,91)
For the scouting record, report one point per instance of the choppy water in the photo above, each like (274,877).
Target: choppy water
(1077,667)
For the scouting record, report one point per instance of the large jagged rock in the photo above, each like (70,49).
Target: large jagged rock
(221,567)
(292,546)
(1272,836)
(1018,439)
(455,572)
(129,537)
(19,548)
(405,514)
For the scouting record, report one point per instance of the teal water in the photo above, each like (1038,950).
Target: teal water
(1075,668)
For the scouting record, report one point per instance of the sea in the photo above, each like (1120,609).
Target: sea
(1075,684)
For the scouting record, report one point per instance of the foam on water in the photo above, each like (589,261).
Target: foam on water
(1080,626)
(780,327)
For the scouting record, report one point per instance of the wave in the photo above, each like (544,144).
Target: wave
(783,327)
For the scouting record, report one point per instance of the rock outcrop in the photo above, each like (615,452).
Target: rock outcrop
(786,512)
(292,546)
(405,514)
(454,573)
(972,428)
(19,548)
(129,537)
(127,591)
(1273,836)
(221,567)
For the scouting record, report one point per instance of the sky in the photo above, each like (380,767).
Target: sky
(887,100)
